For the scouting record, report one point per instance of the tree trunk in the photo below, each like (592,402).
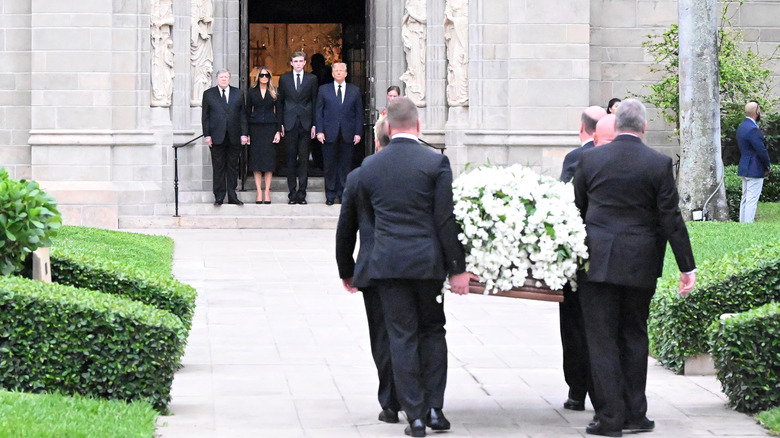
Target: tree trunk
(700,180)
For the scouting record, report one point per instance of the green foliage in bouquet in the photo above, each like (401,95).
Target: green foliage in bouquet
(28,220)
(746,352)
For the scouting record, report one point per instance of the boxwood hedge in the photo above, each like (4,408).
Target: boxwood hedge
(87,271)
(78,341)
(746,352)
(735,283)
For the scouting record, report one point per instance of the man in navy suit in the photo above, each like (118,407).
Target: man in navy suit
(339,120)
(225,129)
(753,161)
(627,197)
(297,94)
(407,190)
(353,218)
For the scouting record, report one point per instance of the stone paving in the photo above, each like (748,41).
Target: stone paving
(279,349)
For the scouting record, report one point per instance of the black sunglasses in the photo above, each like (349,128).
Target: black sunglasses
(265,75)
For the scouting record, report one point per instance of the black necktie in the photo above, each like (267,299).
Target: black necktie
(338,94)
(298,81)
(223,96)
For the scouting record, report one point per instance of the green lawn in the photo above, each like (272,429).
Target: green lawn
(150,253)
(770,419)
(52,415)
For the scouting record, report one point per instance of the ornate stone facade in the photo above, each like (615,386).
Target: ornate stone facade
(89,112)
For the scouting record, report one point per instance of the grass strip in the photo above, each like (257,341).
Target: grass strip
(24,415)
(770,419)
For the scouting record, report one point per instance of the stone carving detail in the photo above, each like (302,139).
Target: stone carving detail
(456,36)
(201,50)
(415,37)
(162,52)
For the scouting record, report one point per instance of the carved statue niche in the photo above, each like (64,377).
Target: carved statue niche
(456,36)
(415,37)
(201,49)
(162,74)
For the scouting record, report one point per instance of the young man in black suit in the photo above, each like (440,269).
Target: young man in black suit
(628,200)
(297,95)
(225,129)
(353,218)
(416,246)
(339,120)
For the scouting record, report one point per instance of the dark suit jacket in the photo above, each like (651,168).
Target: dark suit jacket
(297,105)
(330,114)
(408,191)
(262,109)
(754,158)
(354,216)
(222,120)
(570,161)
(628,200)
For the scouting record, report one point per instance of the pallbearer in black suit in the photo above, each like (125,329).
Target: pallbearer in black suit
(297,95)
(264,131)
(339,120)
(628,200)
(408,191)
(225,129)
(575,349)
(355,217)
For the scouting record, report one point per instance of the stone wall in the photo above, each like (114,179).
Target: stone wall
(15,87)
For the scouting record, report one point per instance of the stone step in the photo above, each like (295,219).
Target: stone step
(231,222)
(248,196)
(249,209)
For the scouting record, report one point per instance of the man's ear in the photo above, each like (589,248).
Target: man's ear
(645,128)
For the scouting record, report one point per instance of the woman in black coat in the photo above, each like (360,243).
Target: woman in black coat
(264,131)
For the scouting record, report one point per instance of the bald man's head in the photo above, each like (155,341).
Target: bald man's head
(590,117)
(605,130)
(752,109)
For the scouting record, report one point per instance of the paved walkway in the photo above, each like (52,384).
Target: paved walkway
(279,349)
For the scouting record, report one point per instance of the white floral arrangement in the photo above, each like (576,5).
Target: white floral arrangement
(517,222)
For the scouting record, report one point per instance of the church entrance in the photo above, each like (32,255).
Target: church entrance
(328,31)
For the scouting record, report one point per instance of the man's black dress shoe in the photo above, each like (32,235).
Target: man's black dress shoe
(217,203)
(598,429)
(329,202)
(291,202)
(388,416)
(642,425)
(574,405)
(302,202)
(415,428)
(236,202)
(436,420)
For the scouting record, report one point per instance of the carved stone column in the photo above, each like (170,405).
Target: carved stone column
(201,49)
(415,37)
(456,35)
(162,74)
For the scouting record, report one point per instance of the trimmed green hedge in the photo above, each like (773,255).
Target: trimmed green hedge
(769,193)
(70,267)
(735,283)
(77,341)
(746,352)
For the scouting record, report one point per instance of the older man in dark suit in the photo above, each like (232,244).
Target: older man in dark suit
(409,196)
(339,120)
(297,95)
(353,218)
(225,129)
(753,161)
(627,197)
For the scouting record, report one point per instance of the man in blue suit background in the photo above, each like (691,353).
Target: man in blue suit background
(753,161)
(339,121)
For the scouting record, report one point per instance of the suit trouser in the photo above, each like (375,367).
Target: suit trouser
(751,191)
(337,161)
(576,363)
(297,142)
(224,166)
(415,323)
(616,330)
(380,349)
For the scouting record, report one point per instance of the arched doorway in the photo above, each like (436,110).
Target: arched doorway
(331,30)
